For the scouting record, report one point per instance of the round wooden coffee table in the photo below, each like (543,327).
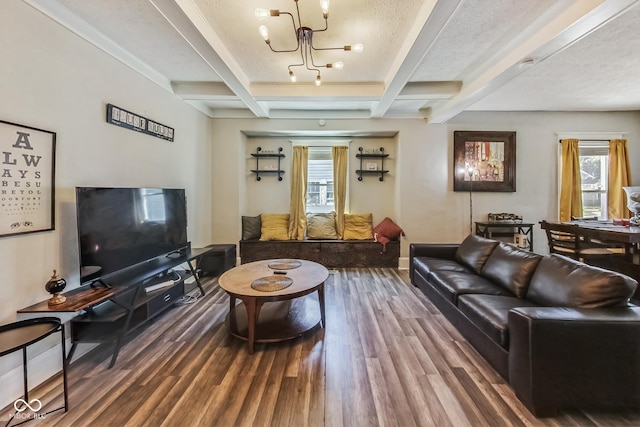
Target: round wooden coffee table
(286,285)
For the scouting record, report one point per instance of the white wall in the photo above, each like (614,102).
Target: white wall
(51,79)
(423,203)
(272,196)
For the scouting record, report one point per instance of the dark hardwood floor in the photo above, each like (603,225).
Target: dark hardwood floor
(387,357)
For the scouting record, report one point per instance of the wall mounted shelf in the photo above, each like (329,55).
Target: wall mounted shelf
(259,154)
(372,168)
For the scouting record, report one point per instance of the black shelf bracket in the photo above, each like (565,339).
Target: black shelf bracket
(381,155)
(259,155)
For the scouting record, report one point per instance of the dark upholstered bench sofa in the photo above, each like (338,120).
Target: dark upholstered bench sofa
(562,333)
(330,253)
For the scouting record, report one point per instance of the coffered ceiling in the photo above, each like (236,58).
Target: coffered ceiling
(421,58)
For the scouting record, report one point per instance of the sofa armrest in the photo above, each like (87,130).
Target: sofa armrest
(570,358)
(432,250)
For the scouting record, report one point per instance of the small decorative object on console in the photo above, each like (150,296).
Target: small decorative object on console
(54,286)
(504,217)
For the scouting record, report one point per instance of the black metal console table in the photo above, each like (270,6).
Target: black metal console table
(109,314)
(493,230)
(18,336)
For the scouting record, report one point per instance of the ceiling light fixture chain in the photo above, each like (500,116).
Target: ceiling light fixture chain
(304,38)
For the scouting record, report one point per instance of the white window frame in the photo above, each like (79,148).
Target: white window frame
(586,139)
(324,143)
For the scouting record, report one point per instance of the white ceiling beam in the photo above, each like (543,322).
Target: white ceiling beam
(434,16)
(189,22)
(564,24)
(430,90)
(266,91)
(203,90)
(319,114)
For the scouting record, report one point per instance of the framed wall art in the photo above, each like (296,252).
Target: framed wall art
(484,161)
(27,183)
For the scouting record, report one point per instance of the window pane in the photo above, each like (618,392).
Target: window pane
(320,180)
(594,162)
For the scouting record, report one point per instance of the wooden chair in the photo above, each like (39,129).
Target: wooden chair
(565,239)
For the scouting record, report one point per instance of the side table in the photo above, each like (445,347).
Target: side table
(492,230)
(18,336)
(218,259)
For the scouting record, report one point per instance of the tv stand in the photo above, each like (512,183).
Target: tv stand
(108,312)
(97,283)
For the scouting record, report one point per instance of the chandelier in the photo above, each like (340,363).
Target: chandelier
(304,37)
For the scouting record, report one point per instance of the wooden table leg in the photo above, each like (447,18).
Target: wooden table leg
(321,300)
(252,306)
(232,302)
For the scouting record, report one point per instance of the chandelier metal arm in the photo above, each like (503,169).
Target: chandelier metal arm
(293,21)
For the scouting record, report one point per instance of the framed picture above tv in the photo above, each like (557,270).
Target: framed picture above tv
(28,179)
(484,161)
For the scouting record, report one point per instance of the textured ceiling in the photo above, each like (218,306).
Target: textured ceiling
(429,58)
(572,82)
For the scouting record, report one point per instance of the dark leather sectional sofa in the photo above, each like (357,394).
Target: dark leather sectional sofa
(563,334)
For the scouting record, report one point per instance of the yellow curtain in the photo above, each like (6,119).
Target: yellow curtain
(340,156)
(297,211)
(571,183)
(619,176)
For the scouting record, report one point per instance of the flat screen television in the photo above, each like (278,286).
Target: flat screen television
(119,228)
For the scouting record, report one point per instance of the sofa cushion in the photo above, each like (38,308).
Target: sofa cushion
(474,251)
(427,264)
(274,227)
(511,268)
(321,226)
(563,282)
(358,227)
(251,227)
(452,284)
(490,314)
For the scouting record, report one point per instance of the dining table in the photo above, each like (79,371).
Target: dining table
(609,233)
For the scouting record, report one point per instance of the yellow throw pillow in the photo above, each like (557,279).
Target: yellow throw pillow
(358,227)
(274,227)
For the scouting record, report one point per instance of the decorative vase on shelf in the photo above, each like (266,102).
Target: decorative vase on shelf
(54,286)
(633,204)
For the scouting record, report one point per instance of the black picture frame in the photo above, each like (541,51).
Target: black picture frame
(27,183)
(484,161)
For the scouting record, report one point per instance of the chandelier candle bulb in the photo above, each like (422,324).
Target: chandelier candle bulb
(264,32)
(324,4)
(262,13)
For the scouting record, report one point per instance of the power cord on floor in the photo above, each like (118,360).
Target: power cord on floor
(190,297)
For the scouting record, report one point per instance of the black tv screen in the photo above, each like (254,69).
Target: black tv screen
(121,227)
